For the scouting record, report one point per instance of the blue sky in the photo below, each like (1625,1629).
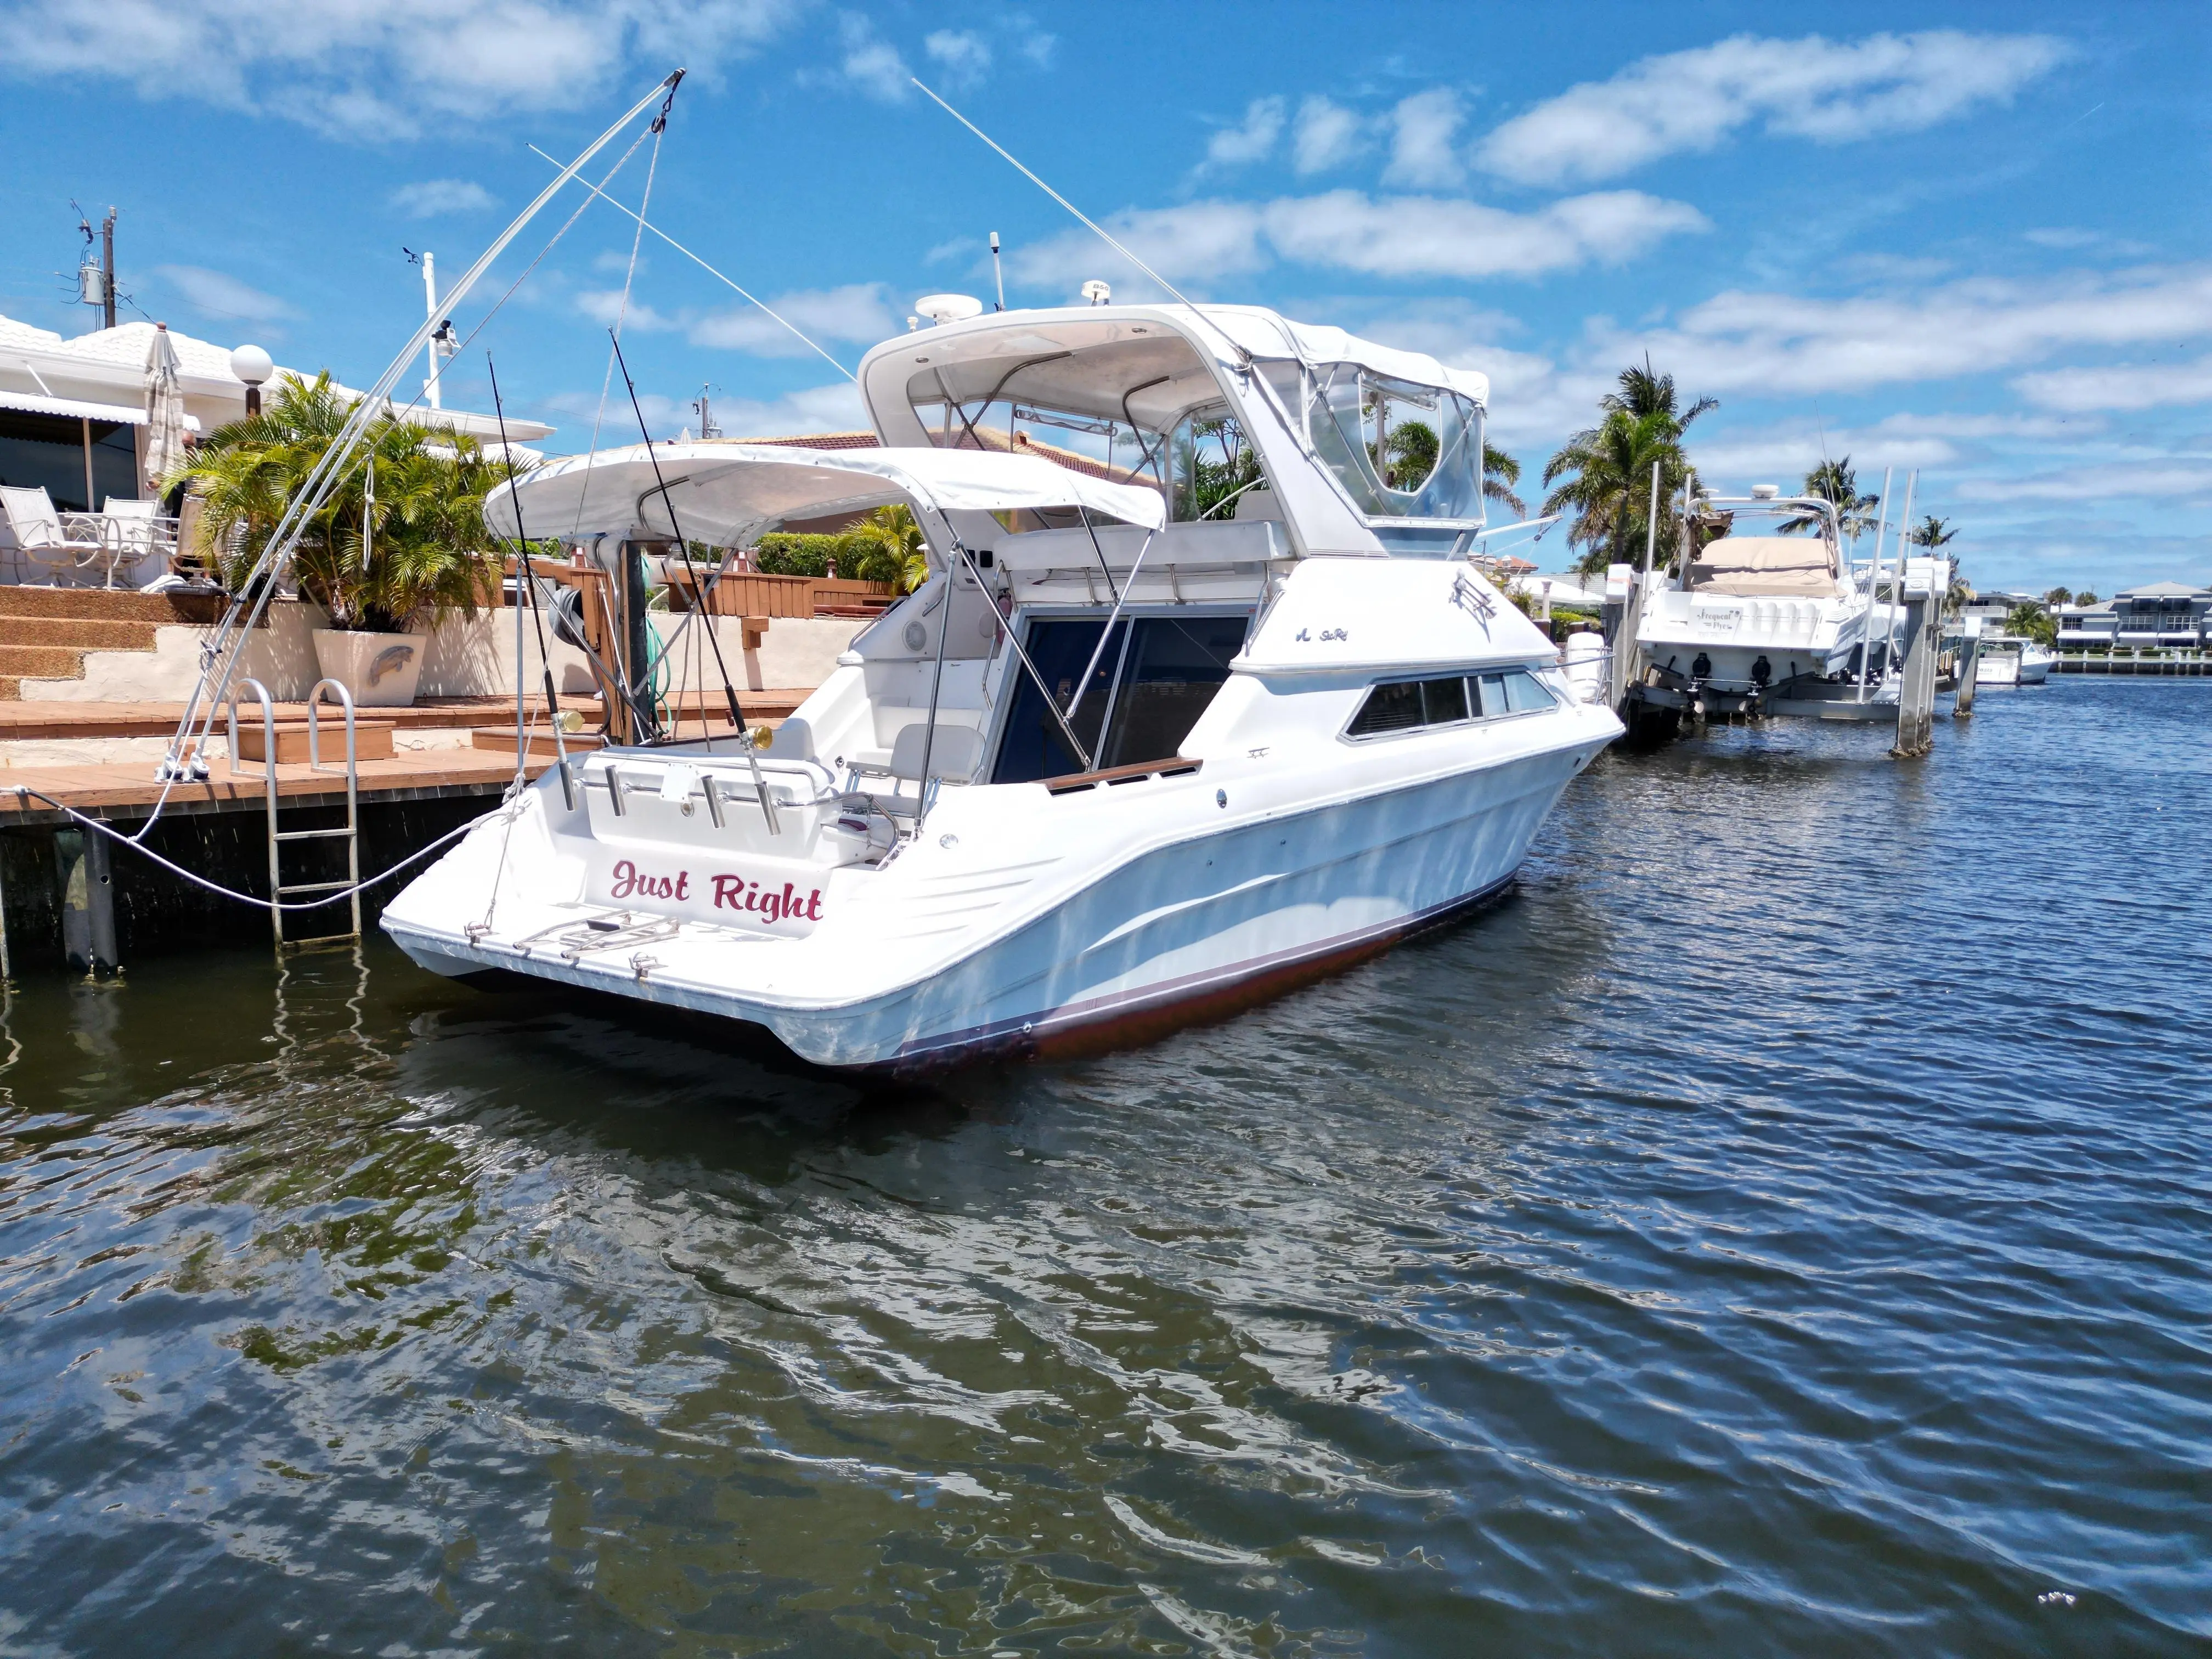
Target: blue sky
(1971,240)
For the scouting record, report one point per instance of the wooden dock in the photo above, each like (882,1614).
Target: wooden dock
(126,790)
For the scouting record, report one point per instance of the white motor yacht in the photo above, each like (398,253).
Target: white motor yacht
(1210,704)
(1776,625)
(2008,659)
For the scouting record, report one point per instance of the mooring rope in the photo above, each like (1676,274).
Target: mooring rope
(24,792)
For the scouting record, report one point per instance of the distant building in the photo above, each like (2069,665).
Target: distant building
(1994,607)
(2161,615)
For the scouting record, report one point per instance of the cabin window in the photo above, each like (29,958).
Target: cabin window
(1401,451)
(1409,705)
(1153,680)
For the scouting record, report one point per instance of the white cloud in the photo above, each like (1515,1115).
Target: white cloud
(1430,236)
(382,69)
(1423,154)
(1347,230)
(1032,42)
(2178,479)
(616,420)
(1826,90)
(1206,239)
(868,63)
(1327,135)
(214,294)
(2120,385)
(1236,146)
(1780,344)
(434,197)
(859,314)
(965,54)
(835,407)
(604,307)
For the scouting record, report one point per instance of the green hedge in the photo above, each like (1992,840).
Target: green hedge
(863,558)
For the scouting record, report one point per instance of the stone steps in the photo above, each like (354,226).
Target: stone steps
(44,632)
(78,633)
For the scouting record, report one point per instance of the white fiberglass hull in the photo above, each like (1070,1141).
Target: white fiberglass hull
(2029,665)
(1208,920)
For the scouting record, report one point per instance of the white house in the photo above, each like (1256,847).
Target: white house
(2158,616)
(72,411)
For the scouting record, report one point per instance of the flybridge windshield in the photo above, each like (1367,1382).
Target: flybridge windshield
(1401,451)
(1205,465)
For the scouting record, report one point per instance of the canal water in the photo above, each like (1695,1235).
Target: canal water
(1779,1228)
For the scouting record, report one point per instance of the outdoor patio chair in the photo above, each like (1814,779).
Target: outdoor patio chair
(138,536)
(56,540)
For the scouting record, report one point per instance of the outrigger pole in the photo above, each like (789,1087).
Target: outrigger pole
(219,656)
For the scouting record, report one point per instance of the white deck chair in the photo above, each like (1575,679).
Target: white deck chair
(954,754)
(138,536)
(42,536)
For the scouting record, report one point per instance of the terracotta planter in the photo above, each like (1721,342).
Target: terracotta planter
(380,670)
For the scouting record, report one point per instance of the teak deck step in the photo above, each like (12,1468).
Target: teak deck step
(372,740)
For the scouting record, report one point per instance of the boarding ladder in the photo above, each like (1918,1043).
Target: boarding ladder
(279,890)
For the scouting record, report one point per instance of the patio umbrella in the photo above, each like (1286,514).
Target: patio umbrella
(165,410)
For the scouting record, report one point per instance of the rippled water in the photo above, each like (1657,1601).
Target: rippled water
(1779,1228)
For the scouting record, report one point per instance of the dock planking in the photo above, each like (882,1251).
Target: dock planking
(130,790)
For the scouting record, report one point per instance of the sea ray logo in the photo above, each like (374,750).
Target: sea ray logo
(1472,599)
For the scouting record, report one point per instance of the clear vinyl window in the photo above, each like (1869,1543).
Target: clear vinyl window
(1401,451)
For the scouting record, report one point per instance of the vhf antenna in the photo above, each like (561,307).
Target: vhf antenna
(997,271)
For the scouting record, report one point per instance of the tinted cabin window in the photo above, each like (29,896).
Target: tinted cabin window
(1406,705)
(1035,746)
(1394,707)
(1443,701)
(1174,667)
(1153,680)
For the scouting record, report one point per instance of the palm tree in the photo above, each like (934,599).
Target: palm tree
(1610,490)
(424,547)
(890,549)
(1835,481)
(2058,596)
(1646,392)
(1931,532)
(1500,472)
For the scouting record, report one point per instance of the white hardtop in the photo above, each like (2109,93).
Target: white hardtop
(1149,365)
(725,493)
(1231,336)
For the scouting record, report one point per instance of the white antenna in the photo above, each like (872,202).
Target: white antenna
(997,272)
(430,307)
(1089,223)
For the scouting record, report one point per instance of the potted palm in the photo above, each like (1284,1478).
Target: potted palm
(399,544)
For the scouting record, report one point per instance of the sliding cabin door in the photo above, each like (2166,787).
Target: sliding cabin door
(1154,679)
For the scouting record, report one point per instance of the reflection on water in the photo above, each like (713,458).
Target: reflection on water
(1778,1227)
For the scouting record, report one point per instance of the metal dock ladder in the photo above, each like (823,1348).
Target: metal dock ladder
(279,890)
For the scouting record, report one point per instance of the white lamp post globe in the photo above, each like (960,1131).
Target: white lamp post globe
(252,365)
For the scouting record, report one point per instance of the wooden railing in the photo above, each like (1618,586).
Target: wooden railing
(752,593)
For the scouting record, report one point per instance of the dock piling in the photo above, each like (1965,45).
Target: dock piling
(88,903)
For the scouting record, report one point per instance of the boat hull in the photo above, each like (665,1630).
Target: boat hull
(1184,933)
